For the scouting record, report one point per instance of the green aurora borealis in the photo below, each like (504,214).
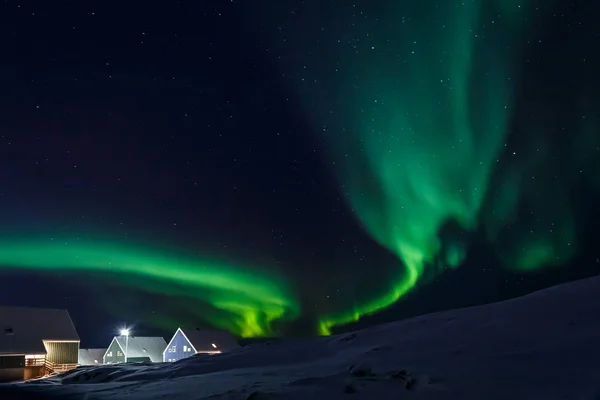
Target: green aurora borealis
(415,157)
(246,302)
(434,128)
(416,102)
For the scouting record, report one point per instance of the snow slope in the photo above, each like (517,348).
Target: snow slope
(542,346)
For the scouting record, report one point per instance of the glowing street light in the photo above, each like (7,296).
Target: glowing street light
(125,332)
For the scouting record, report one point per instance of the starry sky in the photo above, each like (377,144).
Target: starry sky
(299,168)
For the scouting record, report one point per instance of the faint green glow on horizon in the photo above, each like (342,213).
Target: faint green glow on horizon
(246,302)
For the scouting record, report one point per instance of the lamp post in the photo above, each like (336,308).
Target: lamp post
(125,332)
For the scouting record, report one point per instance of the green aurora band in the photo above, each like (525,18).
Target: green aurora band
(418,159)
(244,302)
(415,100)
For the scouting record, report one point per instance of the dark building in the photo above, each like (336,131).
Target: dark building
(35,342)
(187,342)
(134,349)
(91,356)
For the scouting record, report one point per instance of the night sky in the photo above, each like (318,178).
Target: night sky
(298,168)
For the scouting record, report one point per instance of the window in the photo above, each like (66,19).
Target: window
(185,349)
(119,354)
(174,349)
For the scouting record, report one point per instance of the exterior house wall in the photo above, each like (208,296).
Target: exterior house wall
(175,348)
(91,356)
(12,368)
(11,374)
(114,354)
(138,359)
(62,352)
(34,372)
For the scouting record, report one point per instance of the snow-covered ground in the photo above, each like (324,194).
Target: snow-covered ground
(542,346)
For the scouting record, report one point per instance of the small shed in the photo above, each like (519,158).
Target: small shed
(187,342)
(91,356)
(35,342)
(134,349)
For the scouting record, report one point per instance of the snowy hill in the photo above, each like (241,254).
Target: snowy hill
(542,346)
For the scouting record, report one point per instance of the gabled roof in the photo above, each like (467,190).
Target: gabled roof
(23,329)
(91,356)
(142,346)
(202,340)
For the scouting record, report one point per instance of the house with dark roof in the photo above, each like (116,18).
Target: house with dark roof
(35,342)
(134,349)
(91,356)
(187,342)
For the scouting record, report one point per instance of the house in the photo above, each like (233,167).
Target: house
(134,349)
(35,342)
(91,356)
(187,342)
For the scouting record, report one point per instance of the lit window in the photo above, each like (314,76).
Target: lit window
(96,361)
(214,345)
(173,349)
(185,349)
(119,354)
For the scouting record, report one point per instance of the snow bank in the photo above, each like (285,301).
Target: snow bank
(542,346)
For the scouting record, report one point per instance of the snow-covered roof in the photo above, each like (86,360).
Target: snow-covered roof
(143,346)
(204,339)
(23,329)
(91,356)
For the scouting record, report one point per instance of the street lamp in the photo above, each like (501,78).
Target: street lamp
(125,332)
